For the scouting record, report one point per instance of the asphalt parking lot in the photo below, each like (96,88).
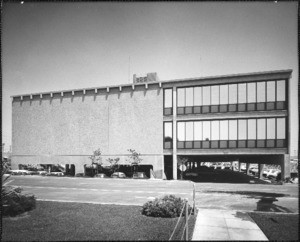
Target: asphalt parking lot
(246,197)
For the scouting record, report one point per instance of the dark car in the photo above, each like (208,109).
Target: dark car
(139,175)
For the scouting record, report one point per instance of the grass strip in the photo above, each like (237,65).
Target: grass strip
(56,221)
(278,226)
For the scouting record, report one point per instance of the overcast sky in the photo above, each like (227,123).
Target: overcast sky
(66,45)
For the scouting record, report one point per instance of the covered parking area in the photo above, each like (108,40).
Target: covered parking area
(195,160)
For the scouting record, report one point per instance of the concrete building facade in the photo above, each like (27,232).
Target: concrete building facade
(241,117)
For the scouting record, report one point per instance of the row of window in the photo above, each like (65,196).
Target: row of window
(227,144)
(224,108)
(264,95)
(228,130)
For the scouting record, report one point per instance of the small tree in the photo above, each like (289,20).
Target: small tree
(181,161)
(134,159)
(113,164)
(96,158)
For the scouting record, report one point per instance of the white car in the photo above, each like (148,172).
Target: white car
(42,172)
(20,172)
(253,171)
(58,173)
(118,175)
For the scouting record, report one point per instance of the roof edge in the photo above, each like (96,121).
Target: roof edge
(287,71)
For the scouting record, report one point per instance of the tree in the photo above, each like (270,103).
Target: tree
(96,159)
(134,159)
(113,164)
(181,161)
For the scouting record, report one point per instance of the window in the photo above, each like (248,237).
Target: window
(224,130)
(232,93)
(180,97)
(168,135)
(271,128)
(280,128)
(189,131)
(215,130)
(189,96)
(261,128)
(168,101)
(197,96)
(198,130)
(280,90)
(215,95)
(242,128)
(206,130)
(232,129)
(206,95)
(261,91)
(242,93)
(224,94)
(251,129)
(271,91)
(168,98)
(251,92)
(181,131)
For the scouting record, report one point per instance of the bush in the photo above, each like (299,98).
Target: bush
(167,207)
(14,202)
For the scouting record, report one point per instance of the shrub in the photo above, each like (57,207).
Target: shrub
(167,207)
(14,202)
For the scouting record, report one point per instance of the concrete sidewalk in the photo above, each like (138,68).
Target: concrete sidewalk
(213,224)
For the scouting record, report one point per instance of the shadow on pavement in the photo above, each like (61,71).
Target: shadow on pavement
(225,176)
(265,202)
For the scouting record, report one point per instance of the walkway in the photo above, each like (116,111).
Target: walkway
(212,224)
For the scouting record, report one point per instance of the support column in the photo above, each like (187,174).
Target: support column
(247,168)
(260,170)
(285,167)
(239,162)
(174,134)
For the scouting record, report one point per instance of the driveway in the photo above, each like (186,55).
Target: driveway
(97,190)
(246,197)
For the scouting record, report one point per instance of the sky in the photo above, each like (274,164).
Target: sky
(51,46)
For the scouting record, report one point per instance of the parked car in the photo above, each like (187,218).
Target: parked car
(190,174)
(42,173)
(118,175)
(273,173)
(253,171)
(139,175)
(57,173)
(79,175)
(101,175)
(243,168)
(30,172)
(20,172)
(265,172)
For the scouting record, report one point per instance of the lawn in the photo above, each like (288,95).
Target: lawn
(278,226)
(55,221)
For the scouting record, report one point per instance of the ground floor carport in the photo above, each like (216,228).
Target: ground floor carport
(195,160)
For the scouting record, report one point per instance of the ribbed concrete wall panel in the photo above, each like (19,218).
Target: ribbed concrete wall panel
(66,129)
